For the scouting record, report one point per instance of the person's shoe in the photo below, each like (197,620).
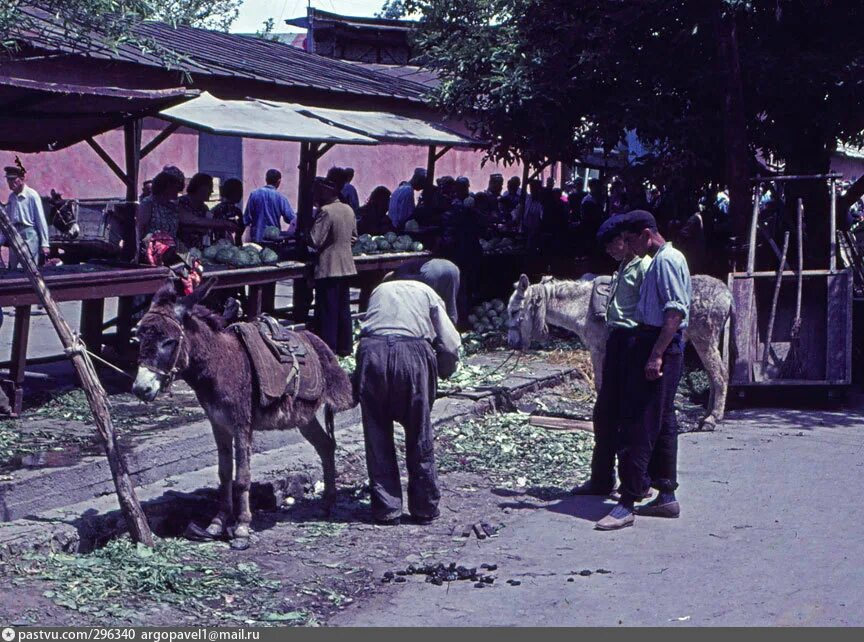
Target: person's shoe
(425,520)
(393,521)
(620,517)
(660,508)
(591,488)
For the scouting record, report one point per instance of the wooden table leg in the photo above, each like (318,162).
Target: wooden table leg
(302,300)
(268,297)
(17,371)
(255,301)
(125,310)
(92,311)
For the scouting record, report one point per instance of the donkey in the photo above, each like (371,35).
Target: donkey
(566,304)
(63,215)
(180,338)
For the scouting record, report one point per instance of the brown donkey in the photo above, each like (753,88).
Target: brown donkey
(179,338)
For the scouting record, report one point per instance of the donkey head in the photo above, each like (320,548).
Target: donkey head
(63,214)
(527,315)
(163,349)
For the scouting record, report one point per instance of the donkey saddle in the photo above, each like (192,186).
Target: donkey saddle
(284,363)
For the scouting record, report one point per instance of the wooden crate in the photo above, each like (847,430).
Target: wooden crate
(825,338)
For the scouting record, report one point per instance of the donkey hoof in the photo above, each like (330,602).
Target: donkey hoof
(241,531)
(240,544)
(708,424)
(216,529)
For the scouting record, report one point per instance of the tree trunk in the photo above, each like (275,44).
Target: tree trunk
(96,395)
(738,157)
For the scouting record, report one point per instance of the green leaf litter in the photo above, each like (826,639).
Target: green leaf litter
(507,449)
(124,581)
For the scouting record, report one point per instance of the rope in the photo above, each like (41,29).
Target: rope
(81,348)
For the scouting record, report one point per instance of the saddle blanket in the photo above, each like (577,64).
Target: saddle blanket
(284,363)
(600,296)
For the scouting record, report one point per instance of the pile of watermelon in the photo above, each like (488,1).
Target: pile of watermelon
(250,255)
(388,243)
(490,316)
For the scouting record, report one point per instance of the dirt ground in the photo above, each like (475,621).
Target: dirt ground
(304,566)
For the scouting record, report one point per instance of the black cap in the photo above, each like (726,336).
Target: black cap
(610,228)
(637,220)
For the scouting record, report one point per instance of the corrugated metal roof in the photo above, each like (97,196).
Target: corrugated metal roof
(201,51)
(252,118)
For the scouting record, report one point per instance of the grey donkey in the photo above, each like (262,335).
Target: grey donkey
(565,304)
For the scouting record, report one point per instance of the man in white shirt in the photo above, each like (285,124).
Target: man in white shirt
(26,214)
(406,342)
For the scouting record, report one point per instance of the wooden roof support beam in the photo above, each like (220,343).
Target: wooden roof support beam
(159,138)
(101,153)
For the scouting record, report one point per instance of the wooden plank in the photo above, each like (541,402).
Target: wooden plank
(839,326)
(742,329)
(561,423)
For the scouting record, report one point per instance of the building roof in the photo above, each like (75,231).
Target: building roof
(204,52)
(255,118)
(40,116)
(326,18)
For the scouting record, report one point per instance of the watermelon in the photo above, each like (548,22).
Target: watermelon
(268,256)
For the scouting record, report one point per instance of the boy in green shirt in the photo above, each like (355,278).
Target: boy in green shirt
(621,322)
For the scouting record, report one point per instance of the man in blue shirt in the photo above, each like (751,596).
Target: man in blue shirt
(266,207)
(648,452)
(402,204)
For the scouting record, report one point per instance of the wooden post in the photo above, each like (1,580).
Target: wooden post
(96,395)
(17,370)
(132,146)
(430,166)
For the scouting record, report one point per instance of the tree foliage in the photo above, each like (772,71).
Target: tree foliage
(557,78)
(113,21)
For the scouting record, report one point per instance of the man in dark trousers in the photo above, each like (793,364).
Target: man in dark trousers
(621,323)
(648,451)
(406,342)
(333,232)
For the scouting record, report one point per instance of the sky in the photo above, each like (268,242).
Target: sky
(253,13)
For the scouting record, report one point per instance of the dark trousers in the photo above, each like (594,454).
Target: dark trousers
(607,408)
(648,451)
(396,380)
(333,314)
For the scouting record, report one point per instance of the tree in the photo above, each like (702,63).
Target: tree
(207,14)
(556,78)
(113,21)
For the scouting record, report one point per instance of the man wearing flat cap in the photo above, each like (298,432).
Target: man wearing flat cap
(648,451)
(333,232)
(26,214)
(621,323)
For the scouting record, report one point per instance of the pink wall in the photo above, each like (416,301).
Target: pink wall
(77,172)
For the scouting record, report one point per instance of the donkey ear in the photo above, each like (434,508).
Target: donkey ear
(198,294)
(523,283)
(167,294)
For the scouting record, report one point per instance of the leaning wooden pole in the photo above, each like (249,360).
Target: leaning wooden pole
(96,395)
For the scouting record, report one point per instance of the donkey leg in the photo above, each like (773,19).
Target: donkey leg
(243,455)
(224,446)
(709,354)
(324,444)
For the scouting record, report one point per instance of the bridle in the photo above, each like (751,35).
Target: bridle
(170,375)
